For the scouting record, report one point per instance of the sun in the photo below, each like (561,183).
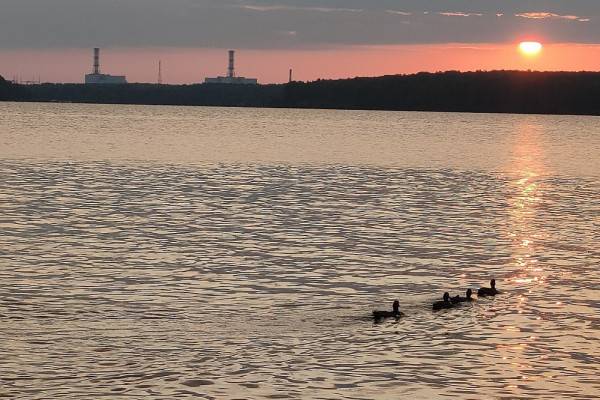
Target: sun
(530,48)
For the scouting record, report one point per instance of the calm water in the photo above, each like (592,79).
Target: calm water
(156,252)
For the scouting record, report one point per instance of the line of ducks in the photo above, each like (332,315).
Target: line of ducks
(447,302)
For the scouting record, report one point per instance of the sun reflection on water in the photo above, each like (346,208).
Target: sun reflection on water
(530,275)
(528,169)
(527,166)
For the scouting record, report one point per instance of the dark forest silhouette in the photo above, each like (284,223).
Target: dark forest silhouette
(495,91)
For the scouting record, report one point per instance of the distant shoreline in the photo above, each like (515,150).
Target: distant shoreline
(514,92)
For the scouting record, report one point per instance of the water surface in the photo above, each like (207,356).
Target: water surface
(166,252)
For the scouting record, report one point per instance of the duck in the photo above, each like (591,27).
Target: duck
(439,305)
(457,299)
(491,291)
(395,313)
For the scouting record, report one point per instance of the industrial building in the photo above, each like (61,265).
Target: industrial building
(231,78)
(96,78)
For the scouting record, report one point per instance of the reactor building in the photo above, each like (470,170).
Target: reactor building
(231,78)
(96,78)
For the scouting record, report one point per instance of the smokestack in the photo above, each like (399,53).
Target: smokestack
(96,60)
(160,81)
(291,75)
(231,71)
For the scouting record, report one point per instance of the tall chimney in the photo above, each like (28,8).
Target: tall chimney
(96,60)
(231,70)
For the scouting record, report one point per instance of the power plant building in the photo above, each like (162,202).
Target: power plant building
(231,78)
(97,78)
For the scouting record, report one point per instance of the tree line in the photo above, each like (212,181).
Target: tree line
(494,91)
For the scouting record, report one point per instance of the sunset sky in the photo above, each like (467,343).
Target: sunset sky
(53,39)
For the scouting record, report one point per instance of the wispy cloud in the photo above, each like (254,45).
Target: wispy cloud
(395,12)
(549,15)
(460,14)
(281,7)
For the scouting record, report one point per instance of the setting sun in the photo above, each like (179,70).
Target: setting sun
(530,48)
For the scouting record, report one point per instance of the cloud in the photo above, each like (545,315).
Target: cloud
(549,15)
(403,13)
(280,7)
(460,14)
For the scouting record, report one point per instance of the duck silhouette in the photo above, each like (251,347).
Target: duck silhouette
(439,305)
(491,291)
(457,299)
(395,313)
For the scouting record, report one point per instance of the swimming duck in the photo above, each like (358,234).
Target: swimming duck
(395,313)
(491,291)
(457,299)
(439,305)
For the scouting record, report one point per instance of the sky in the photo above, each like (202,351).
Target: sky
(53,39)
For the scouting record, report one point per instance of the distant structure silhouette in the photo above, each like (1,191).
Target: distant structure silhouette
(231,78)
(160,79)
(97,78)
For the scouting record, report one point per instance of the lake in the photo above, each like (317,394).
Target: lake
(172,252)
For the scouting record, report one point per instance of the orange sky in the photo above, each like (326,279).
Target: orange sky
(271,66)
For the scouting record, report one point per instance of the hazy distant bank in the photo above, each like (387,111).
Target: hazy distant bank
(495,92)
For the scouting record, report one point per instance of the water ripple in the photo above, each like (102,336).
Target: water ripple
(256,281)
